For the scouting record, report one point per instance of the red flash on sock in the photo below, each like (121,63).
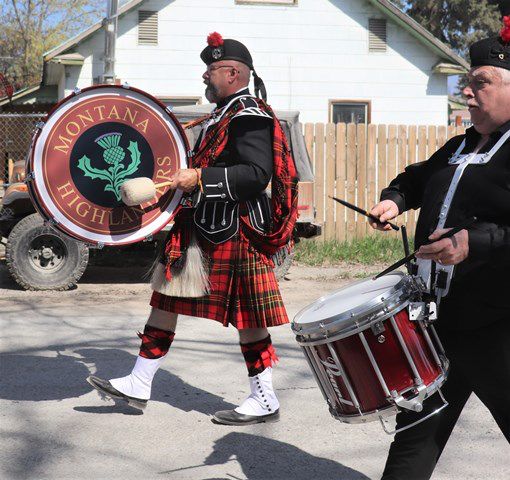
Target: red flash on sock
(259,355)
(155,342)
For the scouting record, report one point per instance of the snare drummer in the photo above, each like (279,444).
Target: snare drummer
(241,148)
(474,316)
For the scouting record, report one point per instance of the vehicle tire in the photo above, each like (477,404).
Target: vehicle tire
(283,267)
(41,258)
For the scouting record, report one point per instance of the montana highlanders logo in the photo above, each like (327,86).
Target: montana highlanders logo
(113,155)
(89,146)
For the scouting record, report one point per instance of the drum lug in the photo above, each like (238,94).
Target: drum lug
(190,153)
(126,85)
(424,311)
(377,328)
(39,125)
(29,176)
(148,238)
(76,91)
(414,404)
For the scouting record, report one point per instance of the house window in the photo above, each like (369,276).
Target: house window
(180,101)
(349,111)
(377,35)
(266,2)
(147,27)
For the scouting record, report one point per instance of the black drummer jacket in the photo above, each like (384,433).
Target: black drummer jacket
(480,290)
(240,174)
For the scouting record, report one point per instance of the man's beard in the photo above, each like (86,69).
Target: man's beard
(211,93)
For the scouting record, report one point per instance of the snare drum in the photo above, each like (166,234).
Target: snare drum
(369,359)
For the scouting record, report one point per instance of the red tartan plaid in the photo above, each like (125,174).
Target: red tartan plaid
(283,191)
(259,355)
(244,291)
(155,342)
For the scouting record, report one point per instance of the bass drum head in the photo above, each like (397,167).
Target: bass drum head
(90,144)
(348,307)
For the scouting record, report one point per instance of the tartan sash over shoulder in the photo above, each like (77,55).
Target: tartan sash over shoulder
(283,190)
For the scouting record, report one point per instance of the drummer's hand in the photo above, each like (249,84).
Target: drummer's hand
(384,211)
(449,251)
(185,179)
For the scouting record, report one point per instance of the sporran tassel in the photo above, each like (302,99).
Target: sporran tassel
(190,281)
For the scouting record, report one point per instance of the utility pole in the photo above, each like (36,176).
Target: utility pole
(110,28)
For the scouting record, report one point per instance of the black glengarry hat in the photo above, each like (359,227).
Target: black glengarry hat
(494,51)
(219,48)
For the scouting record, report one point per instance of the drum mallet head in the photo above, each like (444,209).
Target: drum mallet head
(138,190)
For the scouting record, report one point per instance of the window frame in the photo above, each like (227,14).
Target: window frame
(348,101)
(285,3)
(167,99)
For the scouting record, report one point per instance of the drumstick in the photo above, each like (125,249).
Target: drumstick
(364,212)
(409,257)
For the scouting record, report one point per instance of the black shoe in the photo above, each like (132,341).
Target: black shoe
(231,417)
(106,388)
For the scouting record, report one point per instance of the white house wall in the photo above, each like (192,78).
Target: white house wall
(307,55)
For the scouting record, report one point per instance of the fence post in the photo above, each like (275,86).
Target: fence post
(361,143)
(371,170)
(341,160)
(319,172)
(351,180)
(330,182)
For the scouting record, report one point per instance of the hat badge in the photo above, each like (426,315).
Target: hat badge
(215,41)
(217,53)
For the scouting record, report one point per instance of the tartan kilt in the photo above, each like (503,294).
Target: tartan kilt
(244,291)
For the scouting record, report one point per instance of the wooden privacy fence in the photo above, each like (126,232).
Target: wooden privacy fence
(355,162)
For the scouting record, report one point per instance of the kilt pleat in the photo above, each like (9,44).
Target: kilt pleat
(244,290)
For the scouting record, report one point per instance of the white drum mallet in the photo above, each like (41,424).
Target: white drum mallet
(138,190)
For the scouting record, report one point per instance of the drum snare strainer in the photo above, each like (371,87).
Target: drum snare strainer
(368,357)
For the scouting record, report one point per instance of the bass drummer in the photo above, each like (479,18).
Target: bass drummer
(468,177)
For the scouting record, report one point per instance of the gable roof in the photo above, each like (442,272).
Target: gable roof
(63,47)
(385,6)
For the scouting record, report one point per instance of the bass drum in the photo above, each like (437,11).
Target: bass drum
(87,146)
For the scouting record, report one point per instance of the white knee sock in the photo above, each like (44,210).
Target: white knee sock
(262,400)
(138,383)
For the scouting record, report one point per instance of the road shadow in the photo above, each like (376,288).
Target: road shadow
(166,388)
(40,378)
(262,458)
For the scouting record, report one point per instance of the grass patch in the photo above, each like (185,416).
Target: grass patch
(366,251)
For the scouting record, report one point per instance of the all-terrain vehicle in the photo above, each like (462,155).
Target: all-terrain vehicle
(42,258)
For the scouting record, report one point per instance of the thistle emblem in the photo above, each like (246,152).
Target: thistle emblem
(113,155)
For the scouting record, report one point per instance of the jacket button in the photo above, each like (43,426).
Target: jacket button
(220,185)
(223,195)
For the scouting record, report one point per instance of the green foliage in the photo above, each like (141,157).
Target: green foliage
(377,248)
(28,28)
(458,23)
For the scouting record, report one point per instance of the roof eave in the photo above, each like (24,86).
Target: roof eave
(76,40)
(420,33)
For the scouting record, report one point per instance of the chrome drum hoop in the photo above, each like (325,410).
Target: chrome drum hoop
(363,316)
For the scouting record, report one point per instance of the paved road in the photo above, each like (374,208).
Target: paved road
(55,427)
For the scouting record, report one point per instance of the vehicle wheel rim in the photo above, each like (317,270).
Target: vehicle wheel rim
(47,253)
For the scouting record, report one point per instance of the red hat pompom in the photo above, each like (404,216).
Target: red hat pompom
(216,40)
(505,31)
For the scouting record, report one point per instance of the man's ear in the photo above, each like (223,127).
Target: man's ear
(233,75)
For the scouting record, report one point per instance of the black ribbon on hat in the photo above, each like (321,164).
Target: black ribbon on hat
(260,88)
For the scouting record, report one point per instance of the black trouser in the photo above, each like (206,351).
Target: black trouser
(479,363)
